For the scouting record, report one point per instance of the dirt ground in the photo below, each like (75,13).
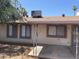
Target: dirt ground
(15,52)
(17,57)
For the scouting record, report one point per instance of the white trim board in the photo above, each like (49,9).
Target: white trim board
(35,51)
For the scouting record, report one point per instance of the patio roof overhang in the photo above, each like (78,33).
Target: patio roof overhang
(54,20)
(49,20)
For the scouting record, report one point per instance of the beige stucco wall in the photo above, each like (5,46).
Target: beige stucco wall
(42,37)
(2,31)
(3,36)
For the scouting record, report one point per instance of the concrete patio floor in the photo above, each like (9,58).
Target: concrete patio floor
(73,50)
(55,52)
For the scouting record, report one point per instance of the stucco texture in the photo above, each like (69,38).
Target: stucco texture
(40,38)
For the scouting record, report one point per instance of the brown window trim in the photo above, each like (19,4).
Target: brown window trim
(21,30)
(13,36)
(57,36)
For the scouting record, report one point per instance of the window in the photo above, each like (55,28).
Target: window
(12,30)
(25,31)
(56,31)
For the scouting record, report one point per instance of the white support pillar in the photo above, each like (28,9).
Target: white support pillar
(36,36)
(77,42)
(35,39)
(18,26)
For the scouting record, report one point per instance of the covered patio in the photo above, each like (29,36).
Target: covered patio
(54,52)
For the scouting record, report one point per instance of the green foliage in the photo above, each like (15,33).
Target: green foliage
(8,11)
(23,11)
(74,8)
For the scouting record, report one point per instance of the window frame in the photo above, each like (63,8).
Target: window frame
(57,36)
(13,36)
(25,31)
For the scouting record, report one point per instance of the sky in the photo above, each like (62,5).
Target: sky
(50,7)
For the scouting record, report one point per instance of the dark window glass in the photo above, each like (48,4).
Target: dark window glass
(56,31)
(12,30)
(25,31)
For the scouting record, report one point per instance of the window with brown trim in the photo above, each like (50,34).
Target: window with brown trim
(11,30)
(56,31)
(25,31)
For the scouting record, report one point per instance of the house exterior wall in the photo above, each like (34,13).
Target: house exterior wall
(3,35)
(42,36)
